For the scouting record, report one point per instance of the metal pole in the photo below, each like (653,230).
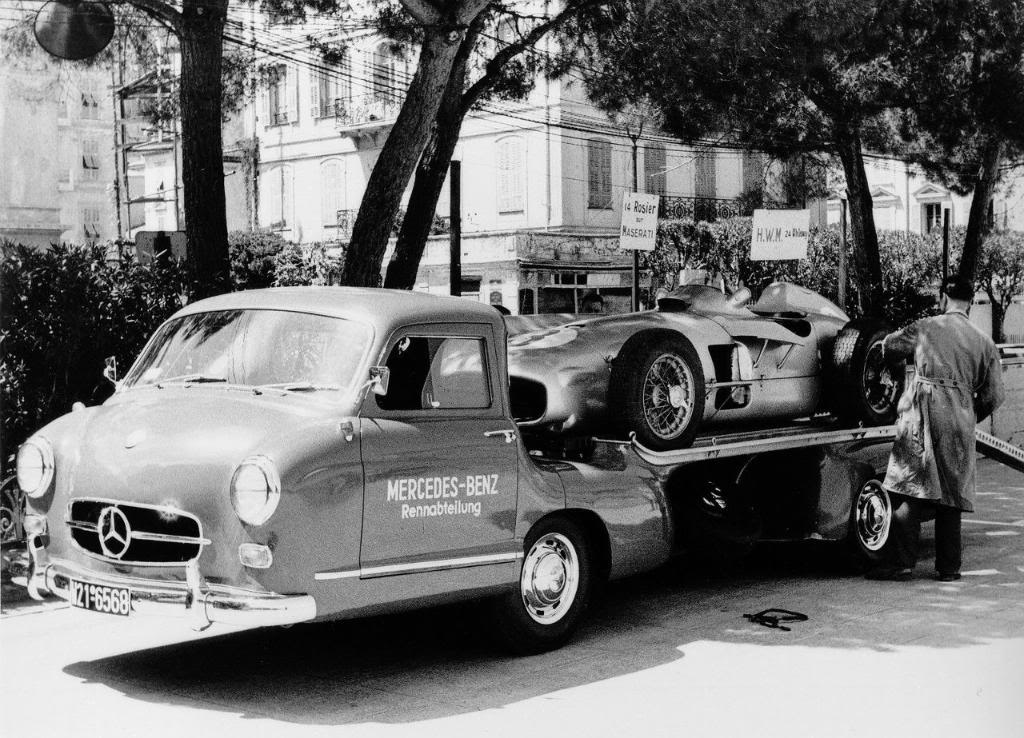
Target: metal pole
(455,236)
(842,259)
(945,248)
(636,253)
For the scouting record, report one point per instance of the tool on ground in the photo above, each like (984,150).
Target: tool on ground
(774,617)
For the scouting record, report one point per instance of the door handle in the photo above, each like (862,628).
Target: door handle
(510,435)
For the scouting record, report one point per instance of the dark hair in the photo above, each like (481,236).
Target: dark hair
(958,288)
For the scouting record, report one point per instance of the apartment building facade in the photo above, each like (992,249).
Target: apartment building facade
(57,149)
(542,179)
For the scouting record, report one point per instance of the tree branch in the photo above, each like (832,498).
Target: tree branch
(495,66)
(423,12)
(157,9)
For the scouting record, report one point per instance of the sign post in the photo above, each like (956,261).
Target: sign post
(779,234)
(639,230)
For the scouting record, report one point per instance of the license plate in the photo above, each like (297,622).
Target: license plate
(100,598)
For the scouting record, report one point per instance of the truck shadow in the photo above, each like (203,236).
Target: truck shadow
(437,663)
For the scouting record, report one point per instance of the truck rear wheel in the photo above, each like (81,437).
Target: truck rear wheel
(657,391)
(555,585)
(870,523)
(865,388)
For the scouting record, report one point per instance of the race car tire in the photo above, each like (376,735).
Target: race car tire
(868,535)
(657,391)
(864,388)
(555,586)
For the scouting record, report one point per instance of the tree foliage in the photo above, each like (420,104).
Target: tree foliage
(780,76)
(1001,275)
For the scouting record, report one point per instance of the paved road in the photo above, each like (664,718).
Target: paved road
(665,654)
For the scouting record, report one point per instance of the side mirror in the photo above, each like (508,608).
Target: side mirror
(380,378)
(110,370)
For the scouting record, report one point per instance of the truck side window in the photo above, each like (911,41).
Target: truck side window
(435,373)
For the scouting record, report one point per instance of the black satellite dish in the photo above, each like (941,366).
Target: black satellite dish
(74,29)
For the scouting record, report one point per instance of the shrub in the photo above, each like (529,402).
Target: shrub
(64,310)
(253,257)
(306,265)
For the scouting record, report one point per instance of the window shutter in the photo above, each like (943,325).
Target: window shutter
(315,106)
(599,174)
(270,197)
(753,170)
(345,81)
(265,105)
(654,169)
(705,184)
(332,188)
(287,197)
(291,94)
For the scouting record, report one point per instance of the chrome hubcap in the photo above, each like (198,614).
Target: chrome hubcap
(551,573)
(874,516)
(668,396)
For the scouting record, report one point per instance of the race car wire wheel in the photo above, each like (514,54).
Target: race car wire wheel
(668,396)
(551,574)
(872,516)
(880,389)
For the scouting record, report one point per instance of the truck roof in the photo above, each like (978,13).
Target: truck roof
(378,307)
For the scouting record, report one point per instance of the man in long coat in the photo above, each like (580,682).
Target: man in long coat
(957,384)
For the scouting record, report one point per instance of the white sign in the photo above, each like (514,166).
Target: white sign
(639,222)
(779,234)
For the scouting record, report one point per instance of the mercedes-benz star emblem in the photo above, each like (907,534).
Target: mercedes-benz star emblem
(115,532)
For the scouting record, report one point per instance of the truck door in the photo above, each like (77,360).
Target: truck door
(439,459)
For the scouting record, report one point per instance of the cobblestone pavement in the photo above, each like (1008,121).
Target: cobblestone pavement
(668,653)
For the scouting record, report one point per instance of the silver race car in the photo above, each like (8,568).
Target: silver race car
(702,359)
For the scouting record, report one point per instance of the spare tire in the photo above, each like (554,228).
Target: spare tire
(865,389)
(657,391)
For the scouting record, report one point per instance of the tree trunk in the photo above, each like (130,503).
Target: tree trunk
(998,316)
(206,232)
(430,176)
(398,158)
(977,222)
(867,262)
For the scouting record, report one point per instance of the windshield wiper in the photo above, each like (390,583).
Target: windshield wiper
(299,386)
(190,379)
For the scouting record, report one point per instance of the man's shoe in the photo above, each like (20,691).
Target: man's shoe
(890,574)
(947,576)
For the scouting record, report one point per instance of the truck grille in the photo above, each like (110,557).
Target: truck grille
(126,533)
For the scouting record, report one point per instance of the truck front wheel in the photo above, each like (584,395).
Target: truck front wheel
(554,589)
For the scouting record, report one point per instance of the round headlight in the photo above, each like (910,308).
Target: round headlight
(255,490)
(35,466)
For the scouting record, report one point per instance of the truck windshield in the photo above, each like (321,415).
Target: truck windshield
(258,348)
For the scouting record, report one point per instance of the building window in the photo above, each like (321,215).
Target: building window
(511,179)
(332,191)
(387,69)
(276,198)
(932,216)
(281,96)
(331,91)
(90,100)
(91,222)
(704,178)
(599,174)
(654,169)
(90,160)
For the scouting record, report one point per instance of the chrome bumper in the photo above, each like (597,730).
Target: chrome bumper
(199,602)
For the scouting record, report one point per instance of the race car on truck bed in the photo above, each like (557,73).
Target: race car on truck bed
(702,359)
(298,454)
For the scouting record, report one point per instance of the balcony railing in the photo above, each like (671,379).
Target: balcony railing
(709,208)
(366,111)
